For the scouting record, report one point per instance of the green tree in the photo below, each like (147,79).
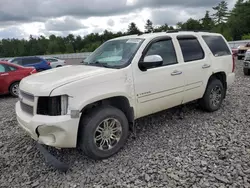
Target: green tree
(161,28)
(221,14)
(149,26)
(246,37)
(53,47)
(239,19)
(191,24)
(133,29)
(69,48)
(207,22)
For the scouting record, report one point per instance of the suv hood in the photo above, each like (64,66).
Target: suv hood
(42,83)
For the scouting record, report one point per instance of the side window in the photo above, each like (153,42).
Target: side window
(191,49)
(217,45)
(165,49)
(26,61)
(2,69)
(52,60)
(12,68)
(36,60)
(6,68)
(17,61)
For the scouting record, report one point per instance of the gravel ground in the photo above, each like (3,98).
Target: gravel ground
(181,147)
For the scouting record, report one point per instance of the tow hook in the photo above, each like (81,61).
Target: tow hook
(52,160)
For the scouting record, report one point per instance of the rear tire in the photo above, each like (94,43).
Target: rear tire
(239,58)
(103,132)
(58,66)
(246,71)
(213,96)
(14,89)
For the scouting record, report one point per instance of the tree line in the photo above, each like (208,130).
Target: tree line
(233,24)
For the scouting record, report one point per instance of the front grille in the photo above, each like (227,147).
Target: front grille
(27,96)
(50,106)
(26,108)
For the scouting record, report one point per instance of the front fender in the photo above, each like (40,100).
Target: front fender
(106,96)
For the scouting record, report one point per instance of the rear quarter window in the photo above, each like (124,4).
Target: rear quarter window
(217,45)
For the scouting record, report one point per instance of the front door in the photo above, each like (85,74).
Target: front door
(160,87)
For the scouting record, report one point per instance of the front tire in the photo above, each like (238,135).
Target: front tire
(14,89)
(246,71)
(103,132)
(213,96)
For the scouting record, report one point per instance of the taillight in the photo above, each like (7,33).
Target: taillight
(33,71)
(48,63)
(233,68)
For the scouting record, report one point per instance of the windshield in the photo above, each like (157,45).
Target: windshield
(114,54)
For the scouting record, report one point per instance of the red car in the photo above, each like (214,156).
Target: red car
(11,75)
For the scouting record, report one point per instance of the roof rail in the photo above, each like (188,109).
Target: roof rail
(180,30)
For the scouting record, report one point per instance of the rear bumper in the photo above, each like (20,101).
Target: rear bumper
(55,131)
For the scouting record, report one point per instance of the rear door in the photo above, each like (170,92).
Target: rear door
(196,66)
(32,62)
(221,54)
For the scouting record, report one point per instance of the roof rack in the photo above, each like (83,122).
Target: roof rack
(179,30)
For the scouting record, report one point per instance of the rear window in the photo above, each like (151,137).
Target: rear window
(217,45)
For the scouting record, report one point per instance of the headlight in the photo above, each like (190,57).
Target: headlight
(64,104)
(53,106)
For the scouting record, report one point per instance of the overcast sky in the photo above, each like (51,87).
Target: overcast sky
(20,18)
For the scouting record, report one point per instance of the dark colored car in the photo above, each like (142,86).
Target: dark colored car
(11,75)
(39,63)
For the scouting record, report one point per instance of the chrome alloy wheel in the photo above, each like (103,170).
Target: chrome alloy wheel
(107,134)
(215,96)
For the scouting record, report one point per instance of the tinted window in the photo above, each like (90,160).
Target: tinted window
(51,60)
(2,68)
(27,61)
(12,68)
(191,49)
(165,49)
(217,45)
(6,68)
(16,61)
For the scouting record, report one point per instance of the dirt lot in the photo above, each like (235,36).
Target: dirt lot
(181,147)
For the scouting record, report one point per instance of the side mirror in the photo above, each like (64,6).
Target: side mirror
(151,61)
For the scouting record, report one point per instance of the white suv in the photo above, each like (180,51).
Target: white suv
(92,106)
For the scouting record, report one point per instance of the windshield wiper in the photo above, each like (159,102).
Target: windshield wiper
(97,63)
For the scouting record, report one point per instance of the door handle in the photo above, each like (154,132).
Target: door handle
(176,72)
(206,66)
(5,74)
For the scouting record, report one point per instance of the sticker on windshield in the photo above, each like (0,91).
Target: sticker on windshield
(134,41)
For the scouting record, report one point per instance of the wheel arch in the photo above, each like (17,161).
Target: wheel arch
(12,84)
(120,102)
(221,75)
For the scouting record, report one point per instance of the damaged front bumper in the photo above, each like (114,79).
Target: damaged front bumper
(55,131)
